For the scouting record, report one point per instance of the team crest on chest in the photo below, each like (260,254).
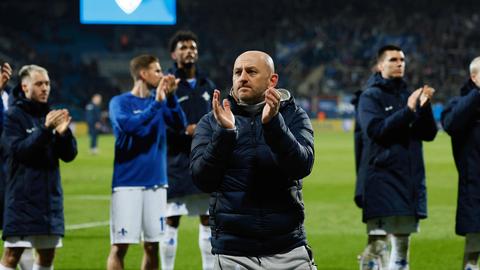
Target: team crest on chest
(206,96)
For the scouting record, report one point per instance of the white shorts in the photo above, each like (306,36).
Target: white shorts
(137,213)
(472,242)
(34,241)
(392,225)
(193,205)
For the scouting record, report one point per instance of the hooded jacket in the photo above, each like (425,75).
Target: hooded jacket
(34,196)
(195,102)
(254,173)
(394,172)
(461,120)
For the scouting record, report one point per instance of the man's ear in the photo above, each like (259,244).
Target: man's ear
(173,56)
(24,87)
(273,80)
(379,67)
(141,74)
(475,78)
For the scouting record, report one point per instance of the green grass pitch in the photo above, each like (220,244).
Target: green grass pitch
(333,222)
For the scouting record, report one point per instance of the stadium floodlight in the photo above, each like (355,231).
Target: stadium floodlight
(152,12)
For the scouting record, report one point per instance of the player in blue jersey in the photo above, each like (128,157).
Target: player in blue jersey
(139,120)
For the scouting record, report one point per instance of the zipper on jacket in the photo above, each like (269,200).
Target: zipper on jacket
(252,129)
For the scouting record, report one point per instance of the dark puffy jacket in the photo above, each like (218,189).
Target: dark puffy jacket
(254,172)
(359,154)
(393,135)
(34,196)
(461,120)
(195,103)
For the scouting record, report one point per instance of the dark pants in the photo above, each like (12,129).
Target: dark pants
(93,138)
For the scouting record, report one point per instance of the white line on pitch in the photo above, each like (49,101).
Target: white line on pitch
(86,225)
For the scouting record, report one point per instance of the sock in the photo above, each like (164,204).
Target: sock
(399,254)
(27,259)
(471,251)
(168,247)
(2,267)
(470,266)
(375,255)
(38,267)
(204,236)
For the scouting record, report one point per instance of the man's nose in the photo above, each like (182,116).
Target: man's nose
(243,76)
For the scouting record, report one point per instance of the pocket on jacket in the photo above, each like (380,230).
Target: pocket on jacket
(297,196)
(383,159)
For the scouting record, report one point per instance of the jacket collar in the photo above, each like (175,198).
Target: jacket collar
(30,106)
(255,109)
(467,87)
(389,85)
(180,73)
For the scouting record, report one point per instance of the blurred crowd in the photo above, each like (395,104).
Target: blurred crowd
(321,48)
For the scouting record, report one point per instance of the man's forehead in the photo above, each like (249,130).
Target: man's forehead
(186,42)
(39,76)
(393,53)
(155,65)
(249,61)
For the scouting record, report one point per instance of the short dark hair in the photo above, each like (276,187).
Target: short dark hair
(141,62)
(182,35)
(382,50)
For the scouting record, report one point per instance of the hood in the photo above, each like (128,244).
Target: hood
(467,87)
(32,107)
(390,85)
(250,110)
(356,98)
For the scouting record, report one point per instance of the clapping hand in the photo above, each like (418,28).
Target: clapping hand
(58,120)
(426,95)
(272,104)
(223,115)
(167,86)
(5,75)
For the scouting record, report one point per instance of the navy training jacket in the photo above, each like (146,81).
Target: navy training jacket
(195,103)
(461,120)
(392,140)
(34,196)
